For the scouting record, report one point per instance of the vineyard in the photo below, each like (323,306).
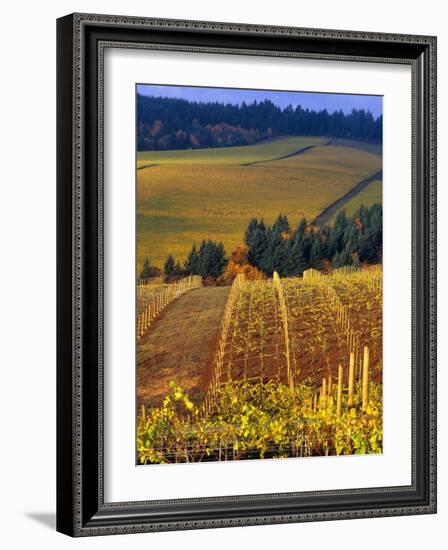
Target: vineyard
(154,295)
(297,371)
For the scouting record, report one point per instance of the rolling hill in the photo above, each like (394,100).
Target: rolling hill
(186,196)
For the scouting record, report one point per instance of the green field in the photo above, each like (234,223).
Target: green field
(374,148)
(266,150)
(372,194)
(206,193)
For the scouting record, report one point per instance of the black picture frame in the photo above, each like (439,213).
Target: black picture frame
(81,510)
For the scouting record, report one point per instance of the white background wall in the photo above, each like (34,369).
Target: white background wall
(27,274)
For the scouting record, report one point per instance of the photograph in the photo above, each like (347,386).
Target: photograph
(259,296)
(246,224)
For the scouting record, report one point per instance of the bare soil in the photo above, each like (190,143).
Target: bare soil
(180,346)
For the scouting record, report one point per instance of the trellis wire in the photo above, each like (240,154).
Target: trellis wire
(284,316)
(215,382)
(155,303)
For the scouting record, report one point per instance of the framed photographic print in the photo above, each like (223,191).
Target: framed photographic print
(246,274)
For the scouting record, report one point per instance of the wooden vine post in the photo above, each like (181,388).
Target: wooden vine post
(365,380)
(323,394)
(209,399)
(158,296)
(330,393)
(339,398)
(351,379)
(284,314)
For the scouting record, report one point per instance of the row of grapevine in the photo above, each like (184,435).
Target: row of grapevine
(255,350)
(297,372)
(284,316)
(219,357)
(334,315)
(154,301)
(143,285)
(327,396)
(266,420)
(307,314)
(358,299)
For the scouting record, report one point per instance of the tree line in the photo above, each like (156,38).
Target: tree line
(351,240)
(207,260)
(169,123)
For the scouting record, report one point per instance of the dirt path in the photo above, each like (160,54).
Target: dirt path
(147,166)
(293,154)
(326,214)
(181,345)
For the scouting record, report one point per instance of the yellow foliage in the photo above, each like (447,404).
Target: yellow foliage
(239,255)
(233,269)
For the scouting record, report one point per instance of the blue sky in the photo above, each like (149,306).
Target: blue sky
(312,100)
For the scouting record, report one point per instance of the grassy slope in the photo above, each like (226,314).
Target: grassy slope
(181,345)
(368,196)
(229,155)
(374,148)
(180,203)
(330,160)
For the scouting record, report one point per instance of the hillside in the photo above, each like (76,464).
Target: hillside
(187,196)
(266,150)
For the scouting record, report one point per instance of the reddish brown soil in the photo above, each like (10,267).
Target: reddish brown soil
(306,328)
(264,358)
(180,346)
(316,341)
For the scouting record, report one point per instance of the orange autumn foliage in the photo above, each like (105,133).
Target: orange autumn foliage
(238,263)
(239,255)
(250,272)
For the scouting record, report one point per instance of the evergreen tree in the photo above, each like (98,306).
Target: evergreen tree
(376,225)
(289,262)
(211,259)
(259,244)
(281,224)
(312,233)
(218,260)
(191,263)
(325,233)
(341,259)
(362,213)
(178,269)
(171,123)
(295,263)
(249,234)
(367,247)
(279,255)
(273,254)
(316,254)
(356,263)
(300,232)
(169,266)
(351,237)
(336,261)
(308,245)
(146,272)
(203,259)
(337,233)
(296,250)
(349,241)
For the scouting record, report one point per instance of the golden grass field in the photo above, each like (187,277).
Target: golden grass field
(200,194)
(370,195)
(229,155)
(375,148)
